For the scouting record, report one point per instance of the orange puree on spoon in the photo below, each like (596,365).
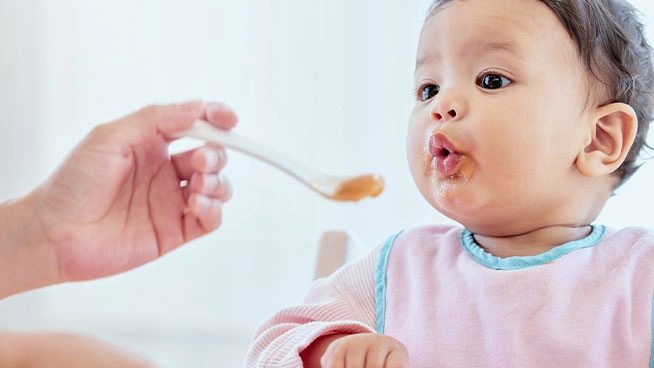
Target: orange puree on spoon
(356,188)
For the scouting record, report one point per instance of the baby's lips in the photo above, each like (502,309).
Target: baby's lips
(440,146)
(444,155)
(447,160)
(448,165)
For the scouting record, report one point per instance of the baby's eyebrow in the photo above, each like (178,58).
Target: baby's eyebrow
(486,46)
(479,47)
(421,60)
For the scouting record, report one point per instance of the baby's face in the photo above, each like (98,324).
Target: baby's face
(500,115)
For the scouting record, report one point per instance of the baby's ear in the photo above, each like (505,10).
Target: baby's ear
(612,133)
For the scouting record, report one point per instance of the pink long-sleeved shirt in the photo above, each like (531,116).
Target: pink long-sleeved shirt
(586,303)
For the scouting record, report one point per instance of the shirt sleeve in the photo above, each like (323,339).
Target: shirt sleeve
(341,303)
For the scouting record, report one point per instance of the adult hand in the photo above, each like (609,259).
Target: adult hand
(119,200)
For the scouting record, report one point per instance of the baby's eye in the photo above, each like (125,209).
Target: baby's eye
(428,91)
(492,81)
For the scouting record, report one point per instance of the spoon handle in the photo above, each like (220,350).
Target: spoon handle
(204,131)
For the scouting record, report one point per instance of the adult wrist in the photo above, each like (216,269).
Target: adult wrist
(26,260)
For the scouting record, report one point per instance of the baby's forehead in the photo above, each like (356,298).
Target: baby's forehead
(522,17)
(473,27)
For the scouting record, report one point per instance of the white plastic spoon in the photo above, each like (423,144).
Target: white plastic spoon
(349,188)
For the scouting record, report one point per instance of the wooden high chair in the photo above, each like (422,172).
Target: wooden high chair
(336,248)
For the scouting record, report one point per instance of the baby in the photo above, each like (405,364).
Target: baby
(528,115)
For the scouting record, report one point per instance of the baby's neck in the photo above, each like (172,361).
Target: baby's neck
(532,243)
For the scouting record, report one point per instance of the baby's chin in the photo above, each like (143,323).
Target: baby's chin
(480,217)
(456,210)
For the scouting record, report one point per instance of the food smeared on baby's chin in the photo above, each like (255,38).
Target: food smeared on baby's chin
(447,186)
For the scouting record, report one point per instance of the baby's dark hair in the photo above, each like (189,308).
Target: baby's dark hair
(611,42)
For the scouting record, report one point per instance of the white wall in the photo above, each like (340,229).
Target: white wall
(328,82)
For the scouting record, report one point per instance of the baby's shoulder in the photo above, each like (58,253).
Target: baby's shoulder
(629,241)
(634,235)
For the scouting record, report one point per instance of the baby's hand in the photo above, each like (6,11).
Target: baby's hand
(365,350)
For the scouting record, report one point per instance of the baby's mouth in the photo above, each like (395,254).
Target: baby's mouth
(446,160)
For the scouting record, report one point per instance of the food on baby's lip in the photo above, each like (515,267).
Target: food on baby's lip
(467,167)
(356,188)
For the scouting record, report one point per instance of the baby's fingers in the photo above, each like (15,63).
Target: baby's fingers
(379,356)
(366,350)
(398,358)
(348,352)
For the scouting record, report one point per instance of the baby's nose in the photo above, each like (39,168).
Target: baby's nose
(436,115)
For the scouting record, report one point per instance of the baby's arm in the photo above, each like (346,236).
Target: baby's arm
(340,305)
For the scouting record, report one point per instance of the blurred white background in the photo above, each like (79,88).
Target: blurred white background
(328,82)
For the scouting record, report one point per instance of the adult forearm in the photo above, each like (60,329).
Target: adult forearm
(63,350)
(26,261)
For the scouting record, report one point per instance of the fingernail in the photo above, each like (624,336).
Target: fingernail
(213,106)
(212,159)
(191,105)
(203,202)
